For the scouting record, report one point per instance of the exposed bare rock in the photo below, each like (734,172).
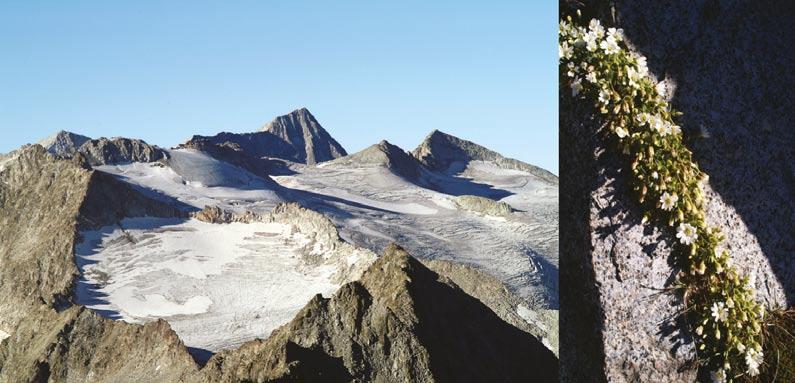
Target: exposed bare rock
(296,137)
(116,150)
(621,326)
(77,345)
(63,144)
(43,200)
(401,323)
(483,205)
(39,202)
(300,129)
(541,323)
(214,214)
(387,155)
(443,152)
(234,154)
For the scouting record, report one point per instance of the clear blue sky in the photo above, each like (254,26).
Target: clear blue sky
(162,71)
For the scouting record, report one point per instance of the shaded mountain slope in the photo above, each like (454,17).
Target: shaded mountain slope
(301,131)
(445,153)
(402,322)
(296,137)
(384,154)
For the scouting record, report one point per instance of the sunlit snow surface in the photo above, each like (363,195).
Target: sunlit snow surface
(219,285)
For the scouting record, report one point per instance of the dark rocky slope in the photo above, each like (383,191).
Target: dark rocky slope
(401,323)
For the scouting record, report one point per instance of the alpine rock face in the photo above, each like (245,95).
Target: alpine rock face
(275,256)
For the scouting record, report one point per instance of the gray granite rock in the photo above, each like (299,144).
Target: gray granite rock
(725,66)
(446,153)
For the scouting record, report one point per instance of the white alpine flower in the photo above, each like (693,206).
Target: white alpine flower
(576,87)
(604,97)
(719,311)
(591,77)
(668,201)
(590,41)
(621,132)
(740,347)
(565,50)
(596,28)
(686,233)
(718,376)
(643,118)
(610,45)
(617,34)
(753,358)
(676,129)
(643,70)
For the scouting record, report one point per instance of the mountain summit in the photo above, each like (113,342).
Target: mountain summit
(296,137)
(443,152)
(301,130)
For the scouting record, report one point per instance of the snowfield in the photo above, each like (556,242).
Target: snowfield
(219,285)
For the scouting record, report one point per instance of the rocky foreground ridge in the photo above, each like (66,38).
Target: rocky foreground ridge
(399,322)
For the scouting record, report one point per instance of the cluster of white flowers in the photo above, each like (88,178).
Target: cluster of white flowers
(659,124)
(753,359)
(599,67)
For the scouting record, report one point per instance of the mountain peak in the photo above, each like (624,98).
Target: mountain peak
(400,300)
(443,152)
(302,131)
(385,154)
(63,143)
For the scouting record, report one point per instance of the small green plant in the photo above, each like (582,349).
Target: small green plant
(720,304)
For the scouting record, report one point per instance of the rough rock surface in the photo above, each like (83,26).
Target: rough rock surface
(443,152)
(483,205)
(620,324)
(234,154)
(63,144)
(301,130)
(541,323)
(384,154)
(116,150)
(401,323)
(296,137)
(43,200)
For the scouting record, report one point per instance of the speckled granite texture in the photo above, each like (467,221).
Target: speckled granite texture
(728,67)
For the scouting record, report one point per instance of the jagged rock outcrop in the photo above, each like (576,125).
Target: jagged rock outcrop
(117,150)
(439,151)
(387,155)
(301,131)
(401,323)
(483,205)
(101,151)
(77,345)
(296,137)
(63,144)
(620,325)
